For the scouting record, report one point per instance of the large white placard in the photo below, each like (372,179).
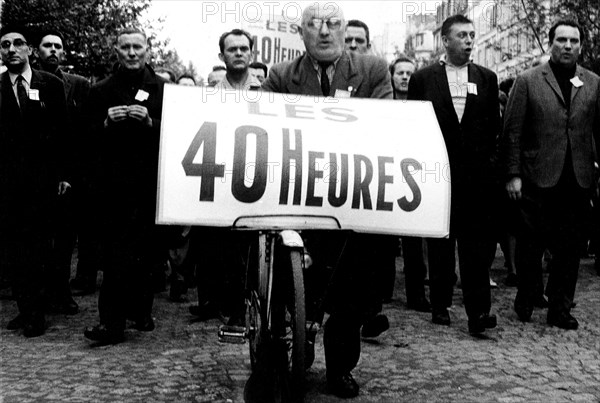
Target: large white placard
(377,166)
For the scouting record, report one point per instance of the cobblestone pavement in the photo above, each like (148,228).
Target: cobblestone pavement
(415,361)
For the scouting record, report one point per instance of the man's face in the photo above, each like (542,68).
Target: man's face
(15,52)
(459,43)
(566,46)
(402,73)
(236,53)
(323,31)
(51,50)
(131,51)
(258,73)
(215,77)
(356,40)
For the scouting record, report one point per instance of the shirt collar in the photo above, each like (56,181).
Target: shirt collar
(444,61)
(250,83)
(26,75)
(316,63)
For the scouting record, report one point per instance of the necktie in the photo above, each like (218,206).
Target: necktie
(325,86)
(21,94)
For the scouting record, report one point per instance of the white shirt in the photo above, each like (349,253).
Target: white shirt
(330,69)
(458,77)
(251,83)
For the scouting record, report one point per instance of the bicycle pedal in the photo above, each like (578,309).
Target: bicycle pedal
(232,334)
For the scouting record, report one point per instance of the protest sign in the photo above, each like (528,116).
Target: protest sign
(377,166)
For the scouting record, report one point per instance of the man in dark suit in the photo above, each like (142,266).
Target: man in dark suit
(50,52)
(33,174)
(552,117)
(326,69)
(465,99)
(124,112)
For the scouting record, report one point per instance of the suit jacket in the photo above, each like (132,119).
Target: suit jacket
(471,143)
(32,150)
(538,127)
(368,76)
(77,89)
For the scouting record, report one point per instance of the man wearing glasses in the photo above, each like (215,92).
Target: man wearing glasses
(326,69)
(32,174)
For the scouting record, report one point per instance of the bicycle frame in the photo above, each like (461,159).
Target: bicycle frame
(275,298)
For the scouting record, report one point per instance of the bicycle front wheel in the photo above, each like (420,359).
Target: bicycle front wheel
(288,320)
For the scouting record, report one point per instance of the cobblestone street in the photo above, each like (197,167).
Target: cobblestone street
(415,361)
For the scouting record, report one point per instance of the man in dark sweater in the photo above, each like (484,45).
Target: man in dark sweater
(124,111)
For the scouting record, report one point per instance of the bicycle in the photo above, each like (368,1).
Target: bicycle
(276,325)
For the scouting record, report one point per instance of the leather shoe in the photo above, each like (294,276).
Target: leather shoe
(420,305)
(17,322)
(489,320)
(35,327)
(440,317)
(479,324)
(103,335)
(375,326)
(564,321)
(144,325)
(343,386)
(476,326)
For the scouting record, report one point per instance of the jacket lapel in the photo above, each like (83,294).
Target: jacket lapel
(67,83)
(304,79)
(8,95)
(441,79)
(551,80)
(575,90)
(346,76)
(475,78)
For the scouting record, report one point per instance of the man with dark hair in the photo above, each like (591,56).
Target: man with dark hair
(33,174)
(552,121)
(219,262)
(357,37)
(236,53)
(465,99)
(124,112)
(70,221)
(352,295)
(259,70)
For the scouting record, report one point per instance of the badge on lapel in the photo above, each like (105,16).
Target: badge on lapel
(141,96)
(472,88)
(576,82)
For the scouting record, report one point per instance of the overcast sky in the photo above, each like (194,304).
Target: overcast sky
(195,26)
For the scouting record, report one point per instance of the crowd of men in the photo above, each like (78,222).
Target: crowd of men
(78,164)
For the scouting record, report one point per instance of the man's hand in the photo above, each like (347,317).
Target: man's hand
(116,114)
(63,187)
(513,187)
(139,112)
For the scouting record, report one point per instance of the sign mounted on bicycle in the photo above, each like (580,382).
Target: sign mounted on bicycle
(284,166)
